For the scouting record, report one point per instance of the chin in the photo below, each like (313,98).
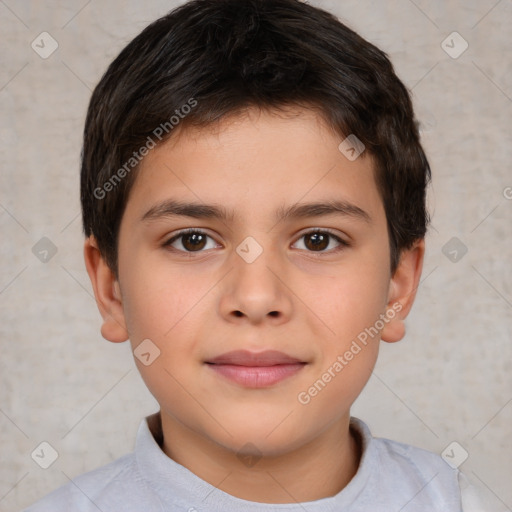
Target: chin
(268,436)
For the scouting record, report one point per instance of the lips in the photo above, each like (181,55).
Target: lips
(255,369)
(246,358)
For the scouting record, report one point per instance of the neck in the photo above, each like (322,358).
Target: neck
(327,463)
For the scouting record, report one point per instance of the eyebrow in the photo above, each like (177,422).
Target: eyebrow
(173,208)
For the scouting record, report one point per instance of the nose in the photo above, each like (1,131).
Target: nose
(254,293)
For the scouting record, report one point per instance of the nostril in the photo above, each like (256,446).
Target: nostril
(274,313)
(238,313)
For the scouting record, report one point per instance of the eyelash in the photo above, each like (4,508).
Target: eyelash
(192,231)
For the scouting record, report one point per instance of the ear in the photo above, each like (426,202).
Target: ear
(402,291)
(107,293)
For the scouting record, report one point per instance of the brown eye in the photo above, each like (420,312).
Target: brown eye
(320,241)
(191,241)
(316,241)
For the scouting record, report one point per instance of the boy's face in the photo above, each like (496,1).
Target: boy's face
(256,280)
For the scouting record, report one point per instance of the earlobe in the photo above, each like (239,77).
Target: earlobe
(107,293)
(402,291)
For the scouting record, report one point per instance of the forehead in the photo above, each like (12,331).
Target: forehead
(256,162)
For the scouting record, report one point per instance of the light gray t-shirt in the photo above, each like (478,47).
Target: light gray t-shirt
(392,477)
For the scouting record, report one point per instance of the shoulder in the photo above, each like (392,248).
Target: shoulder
(434,478)
(402,457)
(407,476)
(411,458)
(107,487)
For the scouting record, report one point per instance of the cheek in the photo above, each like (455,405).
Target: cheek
(347,301)
(155,301)
(163,312)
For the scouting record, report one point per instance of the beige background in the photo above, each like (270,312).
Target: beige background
(449,380)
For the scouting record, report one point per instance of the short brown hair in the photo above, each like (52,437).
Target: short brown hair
(209,59)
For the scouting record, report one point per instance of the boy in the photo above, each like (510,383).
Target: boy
(253,198)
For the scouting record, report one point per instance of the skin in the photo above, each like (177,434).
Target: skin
(308,303)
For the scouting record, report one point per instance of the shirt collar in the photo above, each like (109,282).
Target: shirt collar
(176,485)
